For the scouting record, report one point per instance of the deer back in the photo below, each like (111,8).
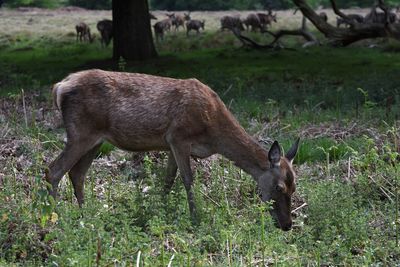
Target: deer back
(136,111)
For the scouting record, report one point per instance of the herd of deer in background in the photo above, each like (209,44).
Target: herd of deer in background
(254,21)
(174,21)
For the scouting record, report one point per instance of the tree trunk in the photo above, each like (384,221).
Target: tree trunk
(133,39)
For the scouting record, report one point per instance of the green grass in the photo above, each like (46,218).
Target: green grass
(316,76)
(347,165)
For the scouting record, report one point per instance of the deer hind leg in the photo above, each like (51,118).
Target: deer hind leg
(172,168)
(73,151)
(78,171)
(181,154)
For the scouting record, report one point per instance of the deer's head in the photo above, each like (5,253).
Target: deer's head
(278,184)
(187,16)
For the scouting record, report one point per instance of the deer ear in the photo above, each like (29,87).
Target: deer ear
(274,154)
(293,151)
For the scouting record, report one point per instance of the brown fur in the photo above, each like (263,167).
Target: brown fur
(139,112)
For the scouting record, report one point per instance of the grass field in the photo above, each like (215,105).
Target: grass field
(342,103)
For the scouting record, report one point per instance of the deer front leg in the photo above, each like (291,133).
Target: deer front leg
(181,153)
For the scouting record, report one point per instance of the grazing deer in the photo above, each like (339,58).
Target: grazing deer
(161,27)
(253,21)
(195,25)
(105,27)
(230,23)
(83,32)
(139,112)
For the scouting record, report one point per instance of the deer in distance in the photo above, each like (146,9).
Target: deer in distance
(161,27)
(194,25)
(140,112)
(253,21)
(178,20)
(231,23)
(267,19)
(105,27)
(83,32)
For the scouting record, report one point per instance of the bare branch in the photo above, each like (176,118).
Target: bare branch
(372,28)
(310,38)
(303,31)
(346,36)
(341,14)
(248,42)
(304,23)
(385,9)
(310,14)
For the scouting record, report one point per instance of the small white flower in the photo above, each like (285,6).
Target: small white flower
(146,189)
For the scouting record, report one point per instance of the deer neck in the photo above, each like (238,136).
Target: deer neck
(244,151)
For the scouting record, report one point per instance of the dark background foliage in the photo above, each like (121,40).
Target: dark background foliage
(192,4)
